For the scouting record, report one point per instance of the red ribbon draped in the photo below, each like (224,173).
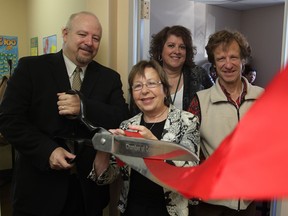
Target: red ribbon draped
(250,163)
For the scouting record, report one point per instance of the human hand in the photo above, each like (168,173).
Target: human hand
(68,104)
(117,132)
(143,131)
(101,162)
(128,132)
(59,159)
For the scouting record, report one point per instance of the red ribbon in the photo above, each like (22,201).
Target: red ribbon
(250,163)
(128,133)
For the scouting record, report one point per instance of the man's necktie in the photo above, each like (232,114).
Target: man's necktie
(76,84)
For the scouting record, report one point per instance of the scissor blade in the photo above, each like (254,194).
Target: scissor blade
(139,147)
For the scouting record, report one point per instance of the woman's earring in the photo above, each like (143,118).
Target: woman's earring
(160,58)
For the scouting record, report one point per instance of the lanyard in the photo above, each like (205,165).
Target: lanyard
(177,89)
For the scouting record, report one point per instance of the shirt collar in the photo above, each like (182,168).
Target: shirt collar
(70,66)
(242,96)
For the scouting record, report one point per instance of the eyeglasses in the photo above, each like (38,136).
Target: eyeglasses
(149,84)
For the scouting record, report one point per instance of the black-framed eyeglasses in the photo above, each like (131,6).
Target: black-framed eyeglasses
(149,84)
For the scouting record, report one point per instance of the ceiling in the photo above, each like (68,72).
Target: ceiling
(242,4)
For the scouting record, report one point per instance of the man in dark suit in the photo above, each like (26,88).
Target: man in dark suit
(34,114)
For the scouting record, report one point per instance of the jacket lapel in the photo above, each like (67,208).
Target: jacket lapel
(59,72)
(91,74)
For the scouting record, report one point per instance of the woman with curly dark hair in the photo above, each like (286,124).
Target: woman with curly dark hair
(173,48)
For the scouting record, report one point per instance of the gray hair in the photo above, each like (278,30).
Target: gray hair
(72,17)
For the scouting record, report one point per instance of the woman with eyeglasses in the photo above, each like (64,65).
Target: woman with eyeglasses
(158,120)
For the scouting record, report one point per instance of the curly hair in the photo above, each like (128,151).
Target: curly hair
(158,40)
(225,38)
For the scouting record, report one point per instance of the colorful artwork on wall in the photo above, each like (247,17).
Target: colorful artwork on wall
(8,54)
(34,46)
(50,44)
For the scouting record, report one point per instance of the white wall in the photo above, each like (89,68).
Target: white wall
(264,28)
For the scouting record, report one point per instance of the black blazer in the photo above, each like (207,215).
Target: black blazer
(29,120)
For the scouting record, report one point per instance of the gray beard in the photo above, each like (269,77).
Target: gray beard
(83,61)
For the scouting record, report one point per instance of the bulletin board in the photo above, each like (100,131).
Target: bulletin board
(8,54)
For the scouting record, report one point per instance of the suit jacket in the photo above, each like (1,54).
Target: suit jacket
(29,120)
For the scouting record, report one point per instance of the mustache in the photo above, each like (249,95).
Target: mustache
(87,49)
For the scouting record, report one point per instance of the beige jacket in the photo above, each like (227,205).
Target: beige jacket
(218,119)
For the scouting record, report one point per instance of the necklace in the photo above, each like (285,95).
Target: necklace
(176,89)
(145,123)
